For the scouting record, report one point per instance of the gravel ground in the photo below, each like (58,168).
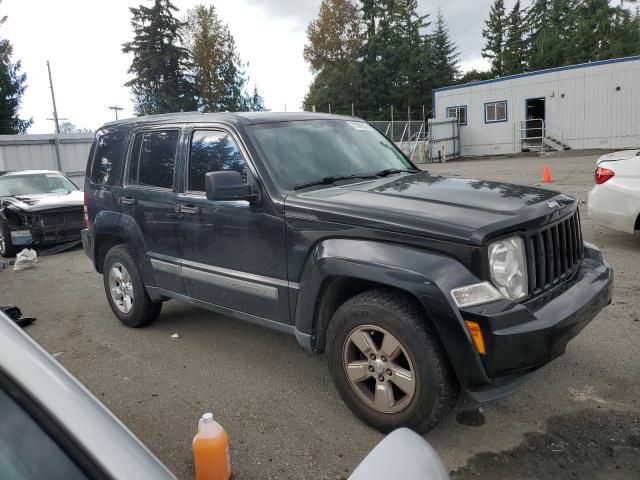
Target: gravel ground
(579,418)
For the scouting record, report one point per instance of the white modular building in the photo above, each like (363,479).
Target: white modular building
(587,106)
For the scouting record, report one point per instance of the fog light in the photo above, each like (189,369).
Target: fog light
(476,336)
(475,294)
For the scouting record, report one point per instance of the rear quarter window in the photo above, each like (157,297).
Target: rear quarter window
(108,150)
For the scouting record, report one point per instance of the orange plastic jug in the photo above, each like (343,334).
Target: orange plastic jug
(211,450)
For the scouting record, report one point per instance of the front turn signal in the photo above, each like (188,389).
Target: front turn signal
(476,336)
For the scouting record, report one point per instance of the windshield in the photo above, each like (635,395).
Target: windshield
(300,152)
(16,185)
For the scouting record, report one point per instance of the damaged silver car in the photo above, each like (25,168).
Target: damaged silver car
(38,207)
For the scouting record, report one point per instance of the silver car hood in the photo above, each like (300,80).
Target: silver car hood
(46,201)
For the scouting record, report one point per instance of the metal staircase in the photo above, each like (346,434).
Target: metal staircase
(538,135)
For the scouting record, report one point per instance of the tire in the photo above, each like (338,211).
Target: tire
(140,310)
(7,249)
(435,388)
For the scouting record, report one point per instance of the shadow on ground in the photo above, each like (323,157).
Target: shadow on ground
(588,444)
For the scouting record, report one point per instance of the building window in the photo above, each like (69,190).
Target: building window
(459,112)
(495,112)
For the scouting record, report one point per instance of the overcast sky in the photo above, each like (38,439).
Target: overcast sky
(82,39)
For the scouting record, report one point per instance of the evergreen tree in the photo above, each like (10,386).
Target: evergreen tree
(474,75)
(205,38)
(234,79)
(603,32)
(394,67)
(515,46)
(551,25)
(12,86)
(625,34)
(160,63)
(494,35)
(254,102)
(334,42)
(444,55)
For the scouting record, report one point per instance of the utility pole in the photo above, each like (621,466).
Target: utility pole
(116,109)
(56,139)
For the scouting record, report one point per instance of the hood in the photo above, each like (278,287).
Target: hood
(621,155)
(46,201)
(449,208)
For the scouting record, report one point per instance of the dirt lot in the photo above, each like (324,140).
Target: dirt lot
(579,418)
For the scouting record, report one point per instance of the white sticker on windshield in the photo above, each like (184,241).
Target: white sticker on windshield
(360,125)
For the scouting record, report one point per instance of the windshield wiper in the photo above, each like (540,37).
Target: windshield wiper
(391,171)
(334,178)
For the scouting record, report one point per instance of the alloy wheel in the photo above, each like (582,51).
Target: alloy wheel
(121,287)
(379,369)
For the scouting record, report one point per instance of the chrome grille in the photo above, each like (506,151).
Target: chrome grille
(554,253)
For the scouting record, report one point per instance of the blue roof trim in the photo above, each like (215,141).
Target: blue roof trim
(539,72)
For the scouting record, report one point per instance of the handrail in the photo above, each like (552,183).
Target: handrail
(547,131)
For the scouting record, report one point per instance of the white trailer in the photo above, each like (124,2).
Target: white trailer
(588,106)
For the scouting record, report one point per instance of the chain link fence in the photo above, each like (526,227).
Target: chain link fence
(409,136)
(401,131)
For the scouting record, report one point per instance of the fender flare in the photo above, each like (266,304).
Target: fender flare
(428,276)
(115,224)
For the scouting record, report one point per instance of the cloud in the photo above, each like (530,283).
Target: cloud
(90,70)
(298,12)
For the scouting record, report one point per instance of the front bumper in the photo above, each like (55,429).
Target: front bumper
(612,208)
(44,235)
(521,338)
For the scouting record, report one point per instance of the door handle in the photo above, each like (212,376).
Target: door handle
(126,201)
(188,209)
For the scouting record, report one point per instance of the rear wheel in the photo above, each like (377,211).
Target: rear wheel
(387,364)
(7,249)
(125,290)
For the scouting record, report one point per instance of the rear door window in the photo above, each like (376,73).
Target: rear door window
(107,159)
(153,159)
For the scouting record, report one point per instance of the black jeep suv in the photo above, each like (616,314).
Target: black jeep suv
(416,285)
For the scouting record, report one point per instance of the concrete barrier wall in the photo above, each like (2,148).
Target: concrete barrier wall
(35,152)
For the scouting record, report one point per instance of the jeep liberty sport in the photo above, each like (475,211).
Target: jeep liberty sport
(416,285)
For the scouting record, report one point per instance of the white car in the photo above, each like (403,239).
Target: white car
(614,201)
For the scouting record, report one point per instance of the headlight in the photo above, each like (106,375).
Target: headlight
(508,267)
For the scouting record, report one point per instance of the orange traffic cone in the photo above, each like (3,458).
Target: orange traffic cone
(546,175)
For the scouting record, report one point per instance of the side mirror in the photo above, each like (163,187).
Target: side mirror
(401,454)
(227,186)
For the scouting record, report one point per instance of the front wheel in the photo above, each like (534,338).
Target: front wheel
(387,364)
(125,289)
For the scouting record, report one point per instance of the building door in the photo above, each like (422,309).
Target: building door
(535,117)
